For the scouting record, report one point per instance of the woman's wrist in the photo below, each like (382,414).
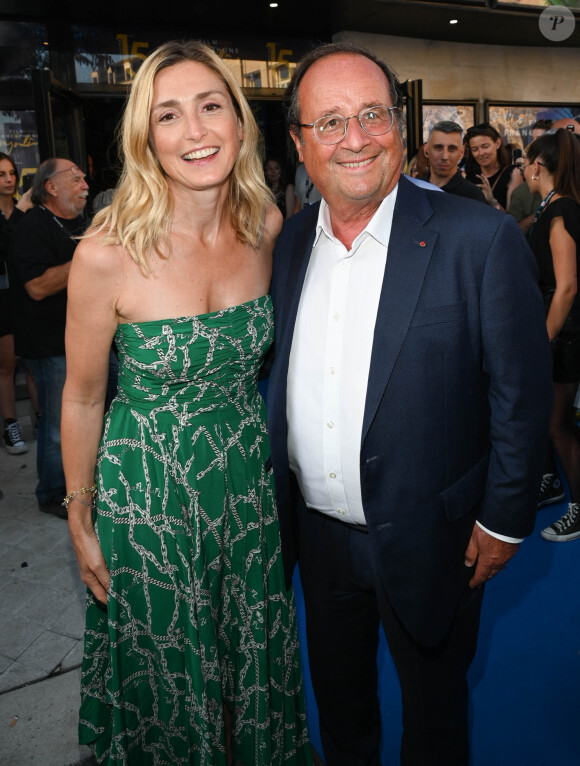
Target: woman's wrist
(79,496)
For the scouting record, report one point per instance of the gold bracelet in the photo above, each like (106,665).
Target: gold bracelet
(82,491)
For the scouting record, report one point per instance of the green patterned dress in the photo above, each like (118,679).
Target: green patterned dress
(198,615)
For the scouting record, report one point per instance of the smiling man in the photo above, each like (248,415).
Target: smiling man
(444,150)
(41,250)
(408,408)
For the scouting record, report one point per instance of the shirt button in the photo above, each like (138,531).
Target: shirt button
(336,317)
(332,370)
(332,475)
(341,511)
(330,424)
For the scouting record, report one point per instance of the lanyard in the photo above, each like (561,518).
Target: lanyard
(540,210)
(66,231)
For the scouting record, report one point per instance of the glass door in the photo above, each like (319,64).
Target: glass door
(59,117)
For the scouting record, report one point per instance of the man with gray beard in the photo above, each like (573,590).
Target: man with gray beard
(41,252)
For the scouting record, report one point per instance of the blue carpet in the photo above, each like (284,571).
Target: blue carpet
(525,679)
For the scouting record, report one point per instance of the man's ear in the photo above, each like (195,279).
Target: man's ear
(426,150)
(297,143)
(50,188)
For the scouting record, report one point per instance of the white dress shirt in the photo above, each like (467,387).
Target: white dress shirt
(330,362)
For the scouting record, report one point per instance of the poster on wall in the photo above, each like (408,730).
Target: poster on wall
(19,139)
(514,121)
(461,113)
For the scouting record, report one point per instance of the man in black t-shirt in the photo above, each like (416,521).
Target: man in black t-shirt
(41,251)
(444,150)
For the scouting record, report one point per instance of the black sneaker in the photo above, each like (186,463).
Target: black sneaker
(551,491)
(13,441)
(55,507)
(566,528)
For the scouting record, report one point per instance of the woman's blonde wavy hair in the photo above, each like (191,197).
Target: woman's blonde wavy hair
(140,215)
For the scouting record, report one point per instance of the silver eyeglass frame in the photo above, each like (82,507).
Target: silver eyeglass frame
(345,120)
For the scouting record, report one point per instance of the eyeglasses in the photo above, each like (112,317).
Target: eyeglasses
(77,173)
(521,168)
(331,129)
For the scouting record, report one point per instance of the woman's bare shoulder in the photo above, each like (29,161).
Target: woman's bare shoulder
(273,222)
(94,255)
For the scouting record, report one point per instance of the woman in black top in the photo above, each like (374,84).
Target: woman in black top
(552,168)
(488,165)
(10,212)
(283,192)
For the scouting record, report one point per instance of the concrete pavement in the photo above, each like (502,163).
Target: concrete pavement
(41,621)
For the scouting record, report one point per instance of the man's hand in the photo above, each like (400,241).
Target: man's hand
(491,555)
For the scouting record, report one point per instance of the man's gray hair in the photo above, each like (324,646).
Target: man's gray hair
(447,126)
(39,194)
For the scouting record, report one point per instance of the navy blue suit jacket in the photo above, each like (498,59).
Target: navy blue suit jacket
(458,400)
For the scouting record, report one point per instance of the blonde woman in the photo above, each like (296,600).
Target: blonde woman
(191,653)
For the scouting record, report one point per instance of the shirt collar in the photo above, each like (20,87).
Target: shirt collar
(379,227)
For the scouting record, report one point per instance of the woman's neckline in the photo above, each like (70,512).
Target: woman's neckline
(185,317)
(495,172)
(13,205)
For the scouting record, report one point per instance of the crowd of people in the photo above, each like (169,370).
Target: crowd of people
(477,165)
(144,328)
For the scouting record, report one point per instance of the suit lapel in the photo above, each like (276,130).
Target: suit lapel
(294,262)
(298,261)
(409,253)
